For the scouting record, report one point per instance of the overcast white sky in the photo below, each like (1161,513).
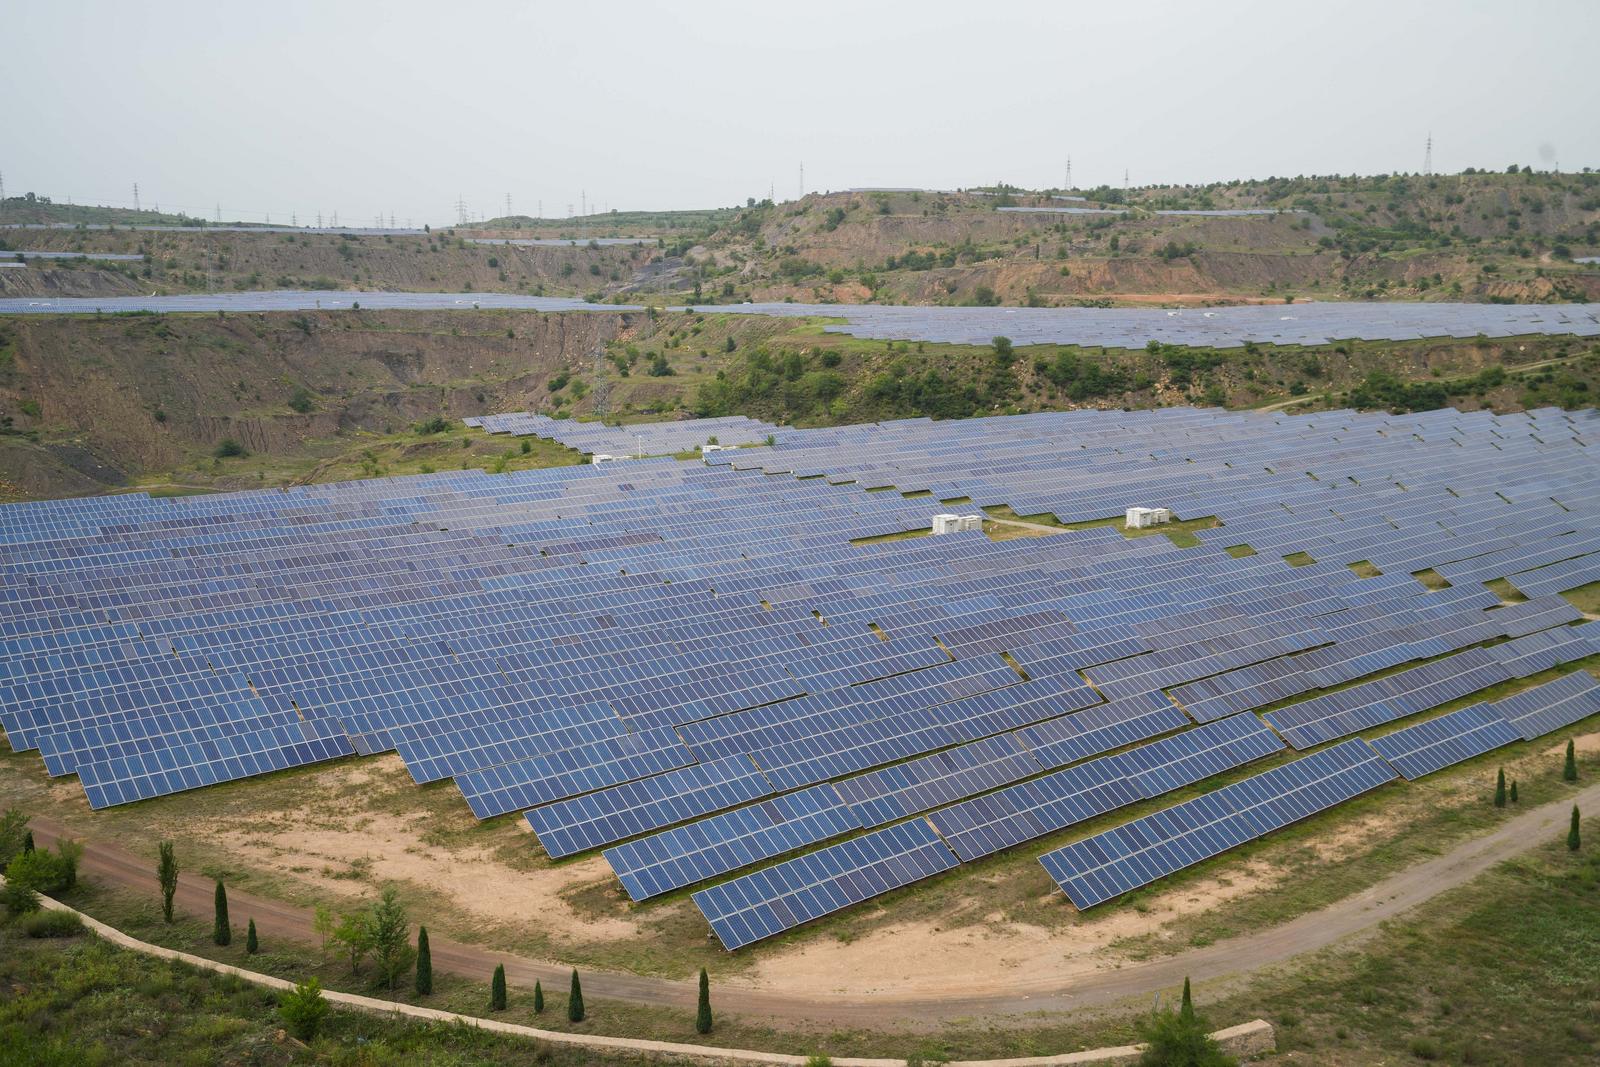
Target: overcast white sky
(294,106)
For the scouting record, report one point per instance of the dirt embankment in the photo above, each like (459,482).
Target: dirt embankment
(215,260)
(143,393)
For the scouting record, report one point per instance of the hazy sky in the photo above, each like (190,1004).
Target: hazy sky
(400,106)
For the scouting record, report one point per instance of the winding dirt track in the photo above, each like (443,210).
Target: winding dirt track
(1347,919)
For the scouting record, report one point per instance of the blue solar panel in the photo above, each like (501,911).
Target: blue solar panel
(633,808)
(1449,739)
(987,824)
(808,887)
(1548,707)
(720,844)
(1138,853)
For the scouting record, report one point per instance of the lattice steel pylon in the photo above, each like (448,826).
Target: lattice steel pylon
(1427,157)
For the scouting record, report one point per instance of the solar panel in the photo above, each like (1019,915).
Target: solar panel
(1138,853)
(990,823)
(1551,706)
(779,898)
(1438,743)
(633,808)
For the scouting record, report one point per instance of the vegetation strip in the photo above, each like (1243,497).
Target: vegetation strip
(1255,1035)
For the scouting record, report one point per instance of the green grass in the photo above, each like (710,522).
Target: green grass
(1179,531)
(1585,598)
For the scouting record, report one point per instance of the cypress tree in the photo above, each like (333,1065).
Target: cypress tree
(27,842)
(497,989)
(538,999)
(167,875)
(1570,771)
(575,1000)
(1186,1009)
(221,934)
(424,963)
(1513,790)
(251,945)
(1572,834)
(702,1019)
(1500,789)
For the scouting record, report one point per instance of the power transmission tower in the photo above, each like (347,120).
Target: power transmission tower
(2,195)
(391,220)
(1427,157)
(319,220)
(294,220)
(1124,180)
(219,212)
(461,210)
(1069,174)
(508,205)
(541,208)
(583,201)
(135,198)
(802,180)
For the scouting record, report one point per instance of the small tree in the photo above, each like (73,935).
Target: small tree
(13,831)
(538,998)
(221,932)
(1500,789)
(251,944)
(1572,834)
(424,963)
(497,989)
(1179,1038)
(324,923)
(354,937)
(575,1000)
(167,874)
(702,1019)
(1513,790)
(1570,771)
(391,938)
(303,1009)
(1186,1008)
(27,842)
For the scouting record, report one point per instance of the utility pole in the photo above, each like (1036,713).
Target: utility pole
(1427,157)
(135,198)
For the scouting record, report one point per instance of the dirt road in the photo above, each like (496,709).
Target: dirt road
(1347,919)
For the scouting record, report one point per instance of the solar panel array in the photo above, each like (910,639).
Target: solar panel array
(700,668)
(641,439)
(1231,327)
(1135,854)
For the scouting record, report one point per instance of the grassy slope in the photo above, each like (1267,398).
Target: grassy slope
(80,1002)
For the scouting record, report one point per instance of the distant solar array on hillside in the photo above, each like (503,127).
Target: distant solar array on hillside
(1283,324)
(639,439)
(706,671)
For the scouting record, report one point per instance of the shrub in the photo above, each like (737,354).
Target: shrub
(1500,789)
(1573,840)
(18,899)
(538,998)
(52,924)
(1569,771)
(228,448)
(303,1009)
(437,424)
(252,944)
(44,871)
(301,401)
